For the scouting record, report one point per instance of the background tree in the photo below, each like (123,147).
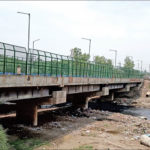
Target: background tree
(77,54)
(102,60)
(128,63)
(109,62)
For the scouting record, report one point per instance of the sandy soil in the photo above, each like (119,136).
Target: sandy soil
(118,131)
(143,101)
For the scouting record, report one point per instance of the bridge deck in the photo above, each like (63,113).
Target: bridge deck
(39,81)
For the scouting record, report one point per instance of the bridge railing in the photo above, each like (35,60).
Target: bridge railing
(38,62)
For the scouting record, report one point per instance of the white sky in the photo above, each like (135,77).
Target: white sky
(60,25)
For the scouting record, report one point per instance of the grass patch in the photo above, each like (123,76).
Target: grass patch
(26,144)
(85,147)
(3,139)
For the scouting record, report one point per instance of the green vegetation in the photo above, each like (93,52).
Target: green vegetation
(102,60)
(3,140)
(26,144)
(128,63)
(84,147)
(77,54)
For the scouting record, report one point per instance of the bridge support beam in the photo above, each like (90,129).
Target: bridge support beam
(112,96)
(27,113)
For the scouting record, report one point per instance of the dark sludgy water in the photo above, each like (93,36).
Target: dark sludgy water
(137,112)
(114,107)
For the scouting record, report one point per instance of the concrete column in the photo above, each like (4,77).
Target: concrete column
(86,103)
(112,96)
(27,113)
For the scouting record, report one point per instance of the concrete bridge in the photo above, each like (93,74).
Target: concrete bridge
(32,79)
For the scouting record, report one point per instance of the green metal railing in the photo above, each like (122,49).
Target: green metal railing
(38,62)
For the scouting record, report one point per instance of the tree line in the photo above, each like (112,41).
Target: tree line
(77,54)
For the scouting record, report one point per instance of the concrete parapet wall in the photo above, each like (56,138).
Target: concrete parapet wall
(7,81)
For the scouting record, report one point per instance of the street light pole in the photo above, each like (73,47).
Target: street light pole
(89,44)
(141,65)
(34,42)
(115,51)
(138,64)
(28,28)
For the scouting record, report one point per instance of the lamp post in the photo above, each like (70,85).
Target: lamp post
(34,42)
(89,44)
(115,51)
(141,65)
(28,28)
(138,64)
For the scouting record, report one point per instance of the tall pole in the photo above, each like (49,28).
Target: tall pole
(141,65)
(138,64)
(28,46)
(115,51)
(89,45)
(34,42)
(29,33)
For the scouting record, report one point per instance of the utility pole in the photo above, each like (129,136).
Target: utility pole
(89,45)
(28,45)
(34,42)
(138,64)
(28,28)
(141,65)
(115,51)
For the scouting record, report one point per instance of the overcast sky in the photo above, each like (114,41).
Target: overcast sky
(60,25)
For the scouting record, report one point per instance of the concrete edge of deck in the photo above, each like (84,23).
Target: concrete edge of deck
(7,81)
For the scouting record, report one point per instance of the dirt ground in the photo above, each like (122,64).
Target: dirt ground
(143,101)
(118,131)
(91,129)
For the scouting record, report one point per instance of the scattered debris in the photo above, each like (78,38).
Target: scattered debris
(143,117)
(145,139)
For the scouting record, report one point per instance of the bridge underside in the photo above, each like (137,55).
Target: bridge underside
(30,91)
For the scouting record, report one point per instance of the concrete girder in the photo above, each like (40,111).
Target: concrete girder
(126,89)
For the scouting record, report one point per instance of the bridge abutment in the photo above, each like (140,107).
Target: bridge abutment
(27,113)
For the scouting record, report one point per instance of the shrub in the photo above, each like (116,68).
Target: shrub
(3,139)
